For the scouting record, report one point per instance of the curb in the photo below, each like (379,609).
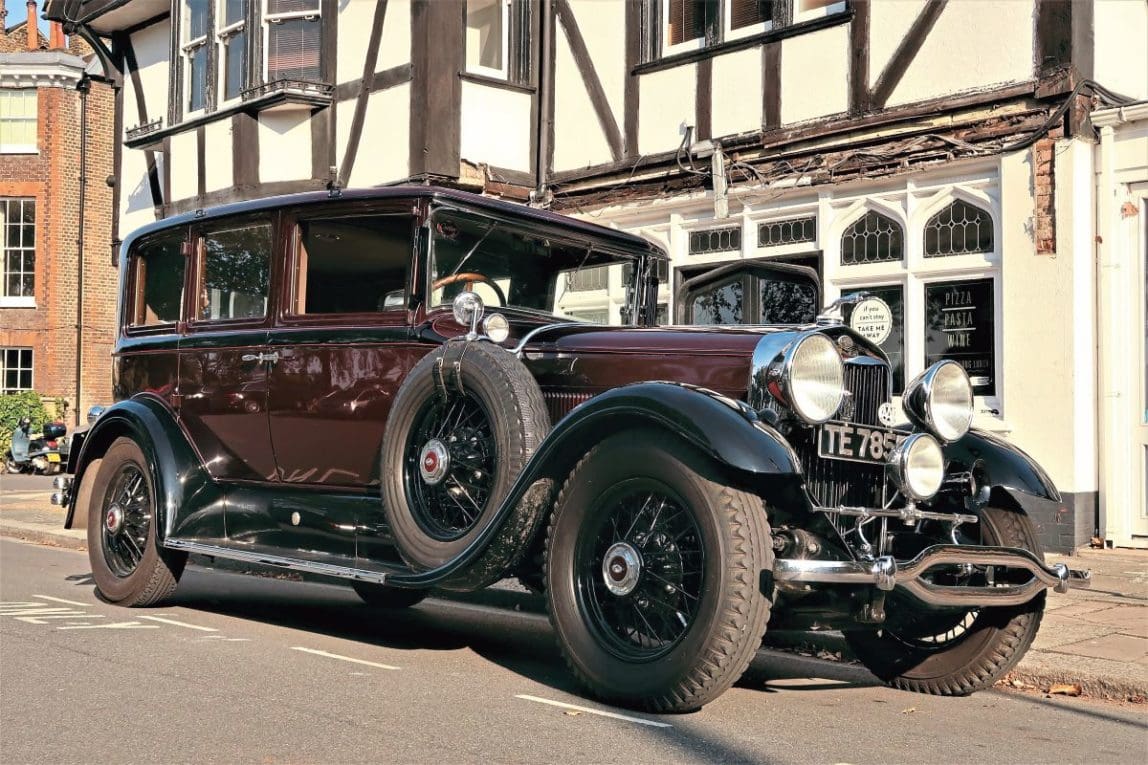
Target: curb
(37,535)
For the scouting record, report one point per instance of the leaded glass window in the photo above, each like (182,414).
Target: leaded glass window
(726,239)
(959,229)
(791,231)
(873,238)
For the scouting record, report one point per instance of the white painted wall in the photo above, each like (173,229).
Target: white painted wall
(579,140)
(815,74)
(184,165)
(495,126)
(666,102)
(284,145)
(135,194)
(1120,29)
(974,44)
(736,93)
(152,47)
(355,20)
(218,156)
(384,147)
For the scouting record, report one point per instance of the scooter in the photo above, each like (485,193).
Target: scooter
(35,452)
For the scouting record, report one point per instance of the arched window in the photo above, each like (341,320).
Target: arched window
(873,238)
(959,229)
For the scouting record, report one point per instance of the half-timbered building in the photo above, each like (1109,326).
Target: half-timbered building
(937,153)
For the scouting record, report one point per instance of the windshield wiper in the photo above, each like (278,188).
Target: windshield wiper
(474,249)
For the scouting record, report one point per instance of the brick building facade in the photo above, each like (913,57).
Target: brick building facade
(56,148)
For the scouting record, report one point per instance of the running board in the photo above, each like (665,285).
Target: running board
(294,564)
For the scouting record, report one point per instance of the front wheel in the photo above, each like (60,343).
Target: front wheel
(955,652)
(10,464)
(128,565)
(652,574)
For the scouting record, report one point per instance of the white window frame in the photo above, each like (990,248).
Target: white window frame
(187,49)
(729,33)
(683,47)
(224,32)
(15,301)
(4,390)
(23,148)
(914,272)
(270,18)
(486,71)
(816,13)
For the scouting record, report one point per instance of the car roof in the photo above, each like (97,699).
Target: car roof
(437,193)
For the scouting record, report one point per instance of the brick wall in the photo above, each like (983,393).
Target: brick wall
(53,177)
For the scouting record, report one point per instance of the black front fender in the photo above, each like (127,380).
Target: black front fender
(177,473)
(1001,465)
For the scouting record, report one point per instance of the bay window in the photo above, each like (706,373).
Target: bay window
(232,34)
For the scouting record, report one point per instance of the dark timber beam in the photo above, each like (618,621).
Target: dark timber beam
(1064,37)
(633,58)
(437,58)
(859,93)
(907,51)
(771,85)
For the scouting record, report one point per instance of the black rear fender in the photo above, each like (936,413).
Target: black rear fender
(176,470)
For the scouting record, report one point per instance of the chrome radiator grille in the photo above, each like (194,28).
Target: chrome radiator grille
(838,482)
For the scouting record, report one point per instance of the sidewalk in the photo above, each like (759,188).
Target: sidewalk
(1095,638)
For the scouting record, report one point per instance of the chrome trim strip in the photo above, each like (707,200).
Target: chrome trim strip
(909,513)
(281,561)
(517,350)
(887,573)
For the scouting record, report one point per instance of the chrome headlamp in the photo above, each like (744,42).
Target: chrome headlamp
(813,378)
(941,400)
(917,467)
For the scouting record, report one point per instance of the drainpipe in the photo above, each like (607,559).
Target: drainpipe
(84,85)
(545,97)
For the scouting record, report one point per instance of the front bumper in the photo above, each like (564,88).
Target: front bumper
(888,574)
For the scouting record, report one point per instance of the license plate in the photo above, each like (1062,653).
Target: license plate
(857,443)
(52,457)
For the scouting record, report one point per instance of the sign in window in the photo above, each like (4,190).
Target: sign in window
(959,326)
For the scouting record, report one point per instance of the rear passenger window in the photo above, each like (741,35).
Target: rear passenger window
(236,272)
(353,264)
(159,266)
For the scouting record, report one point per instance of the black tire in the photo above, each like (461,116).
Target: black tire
(382,596)
(980,647)
(709,555)
(128,566)
(500,397)
(10,464)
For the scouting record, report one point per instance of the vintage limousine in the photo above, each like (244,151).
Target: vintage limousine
(389,386)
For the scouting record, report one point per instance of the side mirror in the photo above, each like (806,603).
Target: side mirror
(94,413)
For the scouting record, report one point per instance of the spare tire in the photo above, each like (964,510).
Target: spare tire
(465,422)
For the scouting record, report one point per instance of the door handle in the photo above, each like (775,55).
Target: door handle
(270,358)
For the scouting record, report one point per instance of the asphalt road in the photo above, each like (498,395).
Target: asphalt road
(254,669)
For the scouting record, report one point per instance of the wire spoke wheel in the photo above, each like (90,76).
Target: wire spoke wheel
(127,515)
(449,462)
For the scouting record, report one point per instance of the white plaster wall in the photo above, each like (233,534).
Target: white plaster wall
(666,102)
(495,126)
(218,155)
(1041,310)
(974,44)
(736,94)
(152,48)
(384,147)
(395,48)
(889,22)
(1120,29)
(284,146)
(814,74)
(135,194)
(579,140)
(184,165)
(355,20)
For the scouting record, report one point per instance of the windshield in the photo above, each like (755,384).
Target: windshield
(512,268)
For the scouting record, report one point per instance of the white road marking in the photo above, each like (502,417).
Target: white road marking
(61,600)
(342,658)
(588,710)
(114,626)
(174,623)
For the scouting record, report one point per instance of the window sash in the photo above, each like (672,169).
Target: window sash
(18,248)
(16,368)
(500,10)
(19,123)
(280,61)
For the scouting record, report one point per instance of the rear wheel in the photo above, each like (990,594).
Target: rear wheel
(128,565)
(955,652)
(382,596)
(652,574)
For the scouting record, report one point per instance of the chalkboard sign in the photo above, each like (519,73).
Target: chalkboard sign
(959,326)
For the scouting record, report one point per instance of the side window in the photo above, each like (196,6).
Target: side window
(720,304)
(159,266)
(353,264)
(236,272)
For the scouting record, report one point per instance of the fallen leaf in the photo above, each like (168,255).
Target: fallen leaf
(1018,683)
(1065,689)
(572,713)
(908,711)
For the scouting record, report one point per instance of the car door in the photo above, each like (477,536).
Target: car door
(224,359)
